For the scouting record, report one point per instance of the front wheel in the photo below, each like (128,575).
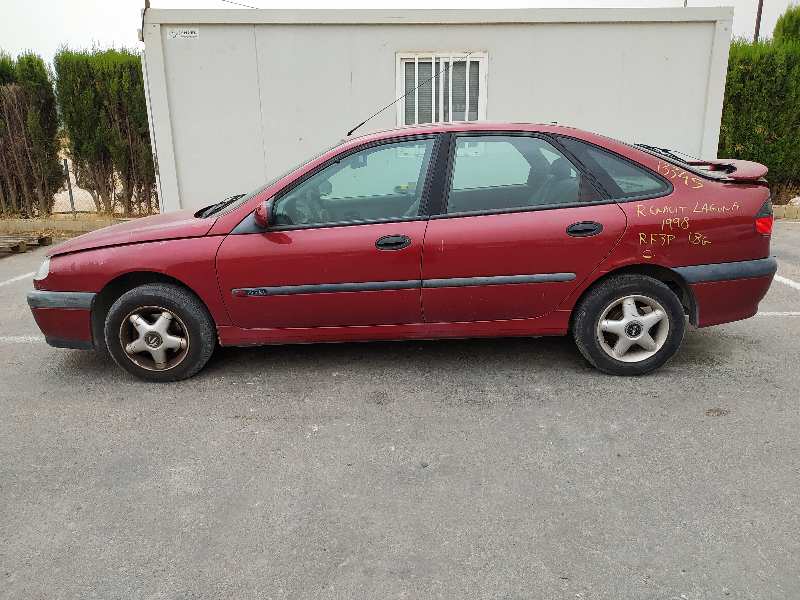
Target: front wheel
(160,332)
(629,325)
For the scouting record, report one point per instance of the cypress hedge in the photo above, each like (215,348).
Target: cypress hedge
(6,69)
(101,95)
(761,114)
(788,26)
(30,173)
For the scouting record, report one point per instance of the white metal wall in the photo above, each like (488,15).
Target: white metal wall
(250,93)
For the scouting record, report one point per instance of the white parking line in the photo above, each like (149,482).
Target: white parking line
(788,313)
(18,278)
(21,339)
(785,280)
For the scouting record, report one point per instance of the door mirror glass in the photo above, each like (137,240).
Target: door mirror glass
(263,214)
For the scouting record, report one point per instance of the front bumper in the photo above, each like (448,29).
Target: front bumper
(726,292)
(65,318)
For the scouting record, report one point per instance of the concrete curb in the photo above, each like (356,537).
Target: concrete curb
(786,211)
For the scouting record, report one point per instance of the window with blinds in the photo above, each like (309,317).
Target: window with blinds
(441,87)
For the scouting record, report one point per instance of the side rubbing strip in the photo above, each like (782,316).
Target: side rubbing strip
(498,280)
(370,286)
(327,288)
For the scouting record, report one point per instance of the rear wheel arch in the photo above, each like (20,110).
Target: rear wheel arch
(116,288)
(629,324)
(667,276)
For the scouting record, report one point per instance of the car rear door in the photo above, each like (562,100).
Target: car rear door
(346,249)
(521,226)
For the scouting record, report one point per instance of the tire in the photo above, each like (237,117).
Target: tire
(604,323)
(160,321)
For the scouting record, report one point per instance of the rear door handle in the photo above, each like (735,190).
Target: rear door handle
(584,229)
(393,242)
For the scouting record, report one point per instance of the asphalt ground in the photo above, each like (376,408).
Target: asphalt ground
(456,469)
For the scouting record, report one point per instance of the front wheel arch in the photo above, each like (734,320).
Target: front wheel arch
(169,323)
(115,288)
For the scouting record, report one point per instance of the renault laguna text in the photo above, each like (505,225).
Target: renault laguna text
(442,231)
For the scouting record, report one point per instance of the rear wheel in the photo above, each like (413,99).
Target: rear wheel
(160,332)
(629,325)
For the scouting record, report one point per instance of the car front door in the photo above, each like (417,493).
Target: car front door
(345,249)
(520,229)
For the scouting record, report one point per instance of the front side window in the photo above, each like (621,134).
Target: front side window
(441,87)
(374,184)
(621,178)
(496,172)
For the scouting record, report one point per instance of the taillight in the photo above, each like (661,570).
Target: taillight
(764,218)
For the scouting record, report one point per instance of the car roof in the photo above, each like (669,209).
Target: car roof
(461,126)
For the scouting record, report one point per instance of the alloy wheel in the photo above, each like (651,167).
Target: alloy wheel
(154,338)
(633,328)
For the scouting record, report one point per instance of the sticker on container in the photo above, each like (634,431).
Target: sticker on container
(183,33)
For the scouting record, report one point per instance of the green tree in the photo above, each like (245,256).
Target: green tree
(6,69)
(41,123)
(30,173)
(788,26)
(129,139)
(761,113)
(101,94)
(80,100)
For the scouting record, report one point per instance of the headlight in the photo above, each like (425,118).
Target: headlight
(44,270)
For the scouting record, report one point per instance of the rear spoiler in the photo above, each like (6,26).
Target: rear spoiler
(735,170)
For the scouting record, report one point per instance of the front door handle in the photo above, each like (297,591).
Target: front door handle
(584,229)
(393,242)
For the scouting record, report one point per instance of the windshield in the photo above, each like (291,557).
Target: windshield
(235,202)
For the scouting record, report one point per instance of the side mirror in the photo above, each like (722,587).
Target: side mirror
(263,214)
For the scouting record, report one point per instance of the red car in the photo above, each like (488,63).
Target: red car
(442,231)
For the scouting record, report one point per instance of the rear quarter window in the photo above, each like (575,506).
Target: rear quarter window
(621,178)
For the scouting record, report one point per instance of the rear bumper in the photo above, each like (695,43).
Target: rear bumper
(63,317)
(728,292)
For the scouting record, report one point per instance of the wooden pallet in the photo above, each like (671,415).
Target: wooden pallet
(21,243)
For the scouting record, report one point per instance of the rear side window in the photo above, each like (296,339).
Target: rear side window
(621,178)
(507,173)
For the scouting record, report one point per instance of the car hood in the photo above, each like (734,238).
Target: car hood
(179,224)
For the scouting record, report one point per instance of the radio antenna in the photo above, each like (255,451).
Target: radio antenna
(375,114)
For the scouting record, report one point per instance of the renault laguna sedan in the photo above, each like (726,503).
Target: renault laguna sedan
(443,231)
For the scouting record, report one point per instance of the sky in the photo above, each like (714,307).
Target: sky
(44,25)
